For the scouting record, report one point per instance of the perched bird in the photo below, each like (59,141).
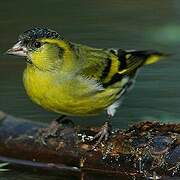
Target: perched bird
(74,79)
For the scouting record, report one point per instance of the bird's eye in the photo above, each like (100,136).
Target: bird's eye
(37,44)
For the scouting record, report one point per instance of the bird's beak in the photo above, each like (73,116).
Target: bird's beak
(18,50)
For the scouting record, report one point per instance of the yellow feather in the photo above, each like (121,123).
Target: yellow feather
(68,53)
(152,59)
(68,96)
(114,68)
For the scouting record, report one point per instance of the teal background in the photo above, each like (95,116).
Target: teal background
(129,24)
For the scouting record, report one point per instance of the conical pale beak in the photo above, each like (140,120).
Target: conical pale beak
(18,50)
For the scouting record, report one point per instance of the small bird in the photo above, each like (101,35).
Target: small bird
(77,80)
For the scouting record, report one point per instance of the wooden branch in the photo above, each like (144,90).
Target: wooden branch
(147,149)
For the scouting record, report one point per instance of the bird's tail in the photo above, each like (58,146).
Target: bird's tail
(131,60)
(153,56)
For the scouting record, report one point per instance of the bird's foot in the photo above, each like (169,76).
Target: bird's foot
(51,131)
(104,133)
(54,129)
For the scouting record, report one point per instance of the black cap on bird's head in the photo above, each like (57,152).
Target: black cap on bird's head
(28,40)
(37,33)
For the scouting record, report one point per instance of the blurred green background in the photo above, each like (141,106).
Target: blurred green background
(130,24)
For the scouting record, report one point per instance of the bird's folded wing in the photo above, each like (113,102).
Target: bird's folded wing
(109,66)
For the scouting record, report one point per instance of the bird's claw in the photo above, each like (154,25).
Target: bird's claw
(104,133)
(51,131)
(54,130)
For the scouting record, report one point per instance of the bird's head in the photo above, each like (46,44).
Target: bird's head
(42,47)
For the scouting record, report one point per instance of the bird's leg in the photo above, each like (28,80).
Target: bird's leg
(54,126)
(52,130)
(104,133)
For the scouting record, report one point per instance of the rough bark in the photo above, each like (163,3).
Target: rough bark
(147,149)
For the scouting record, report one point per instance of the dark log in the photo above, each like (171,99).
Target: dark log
(147,149)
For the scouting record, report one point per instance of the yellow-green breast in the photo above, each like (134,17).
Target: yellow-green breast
(76,97)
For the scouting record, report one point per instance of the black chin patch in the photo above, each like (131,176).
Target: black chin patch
(37,32)
(29,61)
